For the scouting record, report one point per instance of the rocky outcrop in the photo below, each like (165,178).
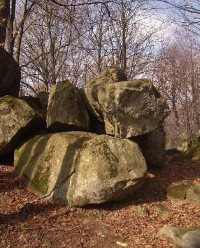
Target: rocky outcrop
(127,108)
(182,237)
(17,121)
(66,108)
(152,146)
(10,75)
(184,192)
(81,168)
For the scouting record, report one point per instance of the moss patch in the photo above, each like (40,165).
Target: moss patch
(40,179)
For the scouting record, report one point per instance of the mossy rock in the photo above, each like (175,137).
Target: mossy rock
(17,122)
(184,192)
(193,152)
(81,168)
(126,108)
(66,108)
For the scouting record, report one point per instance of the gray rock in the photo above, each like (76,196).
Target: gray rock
(80,168)
(182,237)
(10,74)
(191,239)
(127,108)
(66,108)
(17,121)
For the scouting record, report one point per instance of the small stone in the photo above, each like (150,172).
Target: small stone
(191,239)
(162,209)
(141,210)
(121,244)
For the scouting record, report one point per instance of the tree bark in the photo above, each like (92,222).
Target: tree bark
(4,13)
(124,25)
(10,28)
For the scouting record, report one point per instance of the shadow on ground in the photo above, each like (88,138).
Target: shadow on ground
(153,190)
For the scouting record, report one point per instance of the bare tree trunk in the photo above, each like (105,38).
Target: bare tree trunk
(10,28)
(51,47)
(21,31)
(4,13)
(123,49)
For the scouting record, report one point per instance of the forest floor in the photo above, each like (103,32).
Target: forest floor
(131,223)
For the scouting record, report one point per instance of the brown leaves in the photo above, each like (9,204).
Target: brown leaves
(111,225)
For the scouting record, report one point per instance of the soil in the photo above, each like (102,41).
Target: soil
(28,221)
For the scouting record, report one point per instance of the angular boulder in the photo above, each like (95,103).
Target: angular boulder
(127,108)
(17,121)
(152,146)
(66,108)
(10,75)
(80,168)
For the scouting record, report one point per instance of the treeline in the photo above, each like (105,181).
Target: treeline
(54,40)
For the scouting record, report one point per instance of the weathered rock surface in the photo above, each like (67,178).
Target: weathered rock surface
(17,121)
(184,192)
(66,108)
(10,75)
(127,108)
(111,74)
(81,168)
(152,146)
(182,237)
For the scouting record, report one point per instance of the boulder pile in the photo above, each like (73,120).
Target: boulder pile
(97,142)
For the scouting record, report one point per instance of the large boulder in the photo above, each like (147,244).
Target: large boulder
(127,108)
(152,146)
(17,121)
(66,108)
(10,75)
(80,168)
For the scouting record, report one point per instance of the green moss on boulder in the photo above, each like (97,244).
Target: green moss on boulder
(81,168)
(66,108)
(17,121)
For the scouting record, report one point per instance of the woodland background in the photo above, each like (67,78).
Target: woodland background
(54,40)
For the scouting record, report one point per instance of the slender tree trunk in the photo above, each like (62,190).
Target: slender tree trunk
(21,31)
(10,28)
(4,13)
(52,61)
(123,50)
(174,107)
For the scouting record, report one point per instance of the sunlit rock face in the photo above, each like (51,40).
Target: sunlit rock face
(80,168)
(127,108)
(17,121)
(66,108)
